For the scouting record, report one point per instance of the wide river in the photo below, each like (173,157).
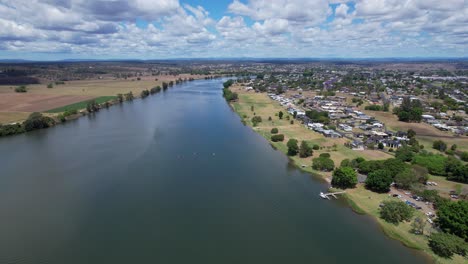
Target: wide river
(173,178)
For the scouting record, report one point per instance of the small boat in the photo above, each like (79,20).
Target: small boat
(323,195)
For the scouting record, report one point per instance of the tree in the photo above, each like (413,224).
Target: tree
(404,153)
(277,137)
(453,147)
(144,93)
(37,121)
(165,85)
(129,96)
(305,150)
(293,148)
(411,133)
(344,177)
(381,145)
(120,98)
(379,181)
(323,164)
(409,111)
(396,211)
(317,147)
(418,225)
(252,108)
(439,145)
(256,120)
(280,114)
(294,114)
(92,106)
(274,130)
(406,179)
(464,156)
(394,166)
(21,89)
(452,217)
(446,245)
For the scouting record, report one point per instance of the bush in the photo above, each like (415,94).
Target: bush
(464,156)
(439,145)
(144,93)
(323,164)
(293,148)
(404,153)
(12,129)
(274,130)
(446,245)
(344,177)
(37,121)
(396,211)
(325,155)
(50,85)
(317,147)
(277,137)
(434,163)
(256,119)
(21,89)
(379,181)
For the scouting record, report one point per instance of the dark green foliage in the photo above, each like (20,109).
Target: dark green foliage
(228,83)
(344,177)
(280,114)
(446,245)
(156,89)
(229,95)
(305,150)
(50,85)
(406,179)
(417,226)
(21,89)
(394,166)
(404,153)
(409,111)
(316,147)
(274,130)
(464,156)
(144,93)
(374,107)
(120,98)
(452,217)
(428,195)
(380,145)
(439,145)
(379,181)
(396,211)
(293,148)
(453,147)
(434,163)
(129,96)
(294,114)
(165,85)
(37,121)
(13,129)
(370,165)
(324,155)
(411,133)
(256,119)
(323,164)
(92,106)
(316,116)
(277,137)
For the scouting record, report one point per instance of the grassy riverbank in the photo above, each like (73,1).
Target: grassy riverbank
(363,201)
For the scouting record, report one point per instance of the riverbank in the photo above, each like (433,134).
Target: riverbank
(250,104)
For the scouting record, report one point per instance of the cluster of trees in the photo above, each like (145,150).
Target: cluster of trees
(36,121)
(316,116)
(441,165)
(255,120)
(92,106)
(409,111)
(323,163)
(129,96)
(228,94)
(394,211)
(344,178)
(384,107)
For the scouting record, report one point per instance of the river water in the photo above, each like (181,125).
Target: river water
(173,178)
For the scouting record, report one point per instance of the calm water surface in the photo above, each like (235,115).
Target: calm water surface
(173,178)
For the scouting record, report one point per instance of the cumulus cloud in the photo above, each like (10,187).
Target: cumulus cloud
(260,28)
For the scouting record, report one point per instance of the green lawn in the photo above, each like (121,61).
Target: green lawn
(81,105)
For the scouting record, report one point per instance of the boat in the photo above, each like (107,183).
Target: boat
(323,195)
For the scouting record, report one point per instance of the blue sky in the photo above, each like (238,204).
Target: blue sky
(162,29)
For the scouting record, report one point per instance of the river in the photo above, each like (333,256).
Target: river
(173,178)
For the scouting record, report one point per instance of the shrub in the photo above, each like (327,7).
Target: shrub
(293,148)
(396,211)
(21,89)
(305,150)
(464,156)
(144,93)
(277,137)
(37,121)
(274,130)
(325,155)
(439,145)
(344,177)
(317,147)
(446,245)
(323,164)
(452,218)
(256,119)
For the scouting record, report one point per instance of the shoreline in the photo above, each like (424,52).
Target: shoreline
(352,199)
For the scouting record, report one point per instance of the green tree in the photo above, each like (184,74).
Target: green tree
(379,181)
(439,145)
(120,98)
(452,217)
(277,137)
(129,96)
(21,89)
(144,93)
(280,114)
(317,147)
(256,120)
(274,130)
(404,153)
(396,211)
(323,164)
(344,177)
(418,225)
(453,147)
(293,148)
(37,121)
(165,85)
(464,156)
(305,150)
(411,133)
(446,245)
(380,145)
(406,179)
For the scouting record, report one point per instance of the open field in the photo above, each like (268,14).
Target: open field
(265,107)
(39,98)
(23,102)
(425,133)
(81,105)
(10,117)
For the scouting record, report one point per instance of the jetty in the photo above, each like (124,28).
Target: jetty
(327,195)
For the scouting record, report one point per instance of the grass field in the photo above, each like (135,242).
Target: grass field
(9,117)
(81,105)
